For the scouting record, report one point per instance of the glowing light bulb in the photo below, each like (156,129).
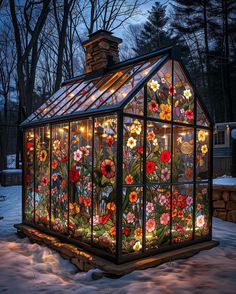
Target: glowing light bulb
(61,130)
(165,126)
(112,91)
(82,129)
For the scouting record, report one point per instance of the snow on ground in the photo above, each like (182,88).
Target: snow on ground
(30,268)
(225,180)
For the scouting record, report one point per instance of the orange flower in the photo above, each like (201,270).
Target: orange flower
(199,206)
(71,206)
(165,111)
(113,231)
(77,209)
(66,197)
(151,136)
(180,214)
(138,233)
(133,196)
(174,212)
(129,180)
(188,218)
(63,184)
(111,206)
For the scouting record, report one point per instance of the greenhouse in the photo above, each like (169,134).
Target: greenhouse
(119,161)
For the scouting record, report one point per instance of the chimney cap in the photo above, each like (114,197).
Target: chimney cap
(101,31)
(99,35)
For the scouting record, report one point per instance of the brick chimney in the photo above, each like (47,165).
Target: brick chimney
(101,50)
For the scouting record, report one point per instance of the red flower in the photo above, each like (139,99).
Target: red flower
(129,180)
(189,114)
(150,166)
(59,200)
(153,106)
(126,231)
(165,156)
(74,175)
(84,91)
(172,90)
(44,181)
(139,149)
(29,145)
(54,164)
(104,218)
(87,201)
(81,199)
(27,178)
(108,168)
(110,140)
(64,159)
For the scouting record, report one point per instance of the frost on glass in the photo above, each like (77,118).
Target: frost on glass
(158,152)
(29,174)
(202,153)
(59,178)
(182,213)
(132,151)
(183,154)
(159,93)
(42,176)
(80,173)
(132,219)
(157,216)
(135,106)
(202,211)
(183,96)
(104,190)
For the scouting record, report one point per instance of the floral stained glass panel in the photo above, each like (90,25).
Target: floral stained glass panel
(132,151)
(183,97)
(42,176)
(132,219)
(158,152)
(202,150)
(29,174)
(59,178)
(183,154)
(202,211)
(159,93)
(80,176)
(104,191)
(157,216)
(182,213)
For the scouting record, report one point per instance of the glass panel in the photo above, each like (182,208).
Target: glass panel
(182,213)
(157,216)
(202,150)
(183,152)
(59,180)
(104,196)
(159,93)
(201,117)
(132,151)
(183,98)
(202,211)
(132,219)
(80,191)
(29,174)
(49,105)
(158,152)
(42,176)
(135,106)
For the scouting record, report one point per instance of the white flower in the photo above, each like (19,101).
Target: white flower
(78,155)
(165,174)
(149,207)
(130,217)
(200,221)
(136,127)
(155,142)
(131,143)
(137,246)
(187,93)
(154,85)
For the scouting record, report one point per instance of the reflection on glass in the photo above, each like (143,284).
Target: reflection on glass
(158,152)
(135,106)
(42,178)
(201,117)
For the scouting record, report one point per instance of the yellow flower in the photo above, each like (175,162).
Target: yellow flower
(136,127)
(201,136)
(204,149)
(131,143)
(187,93)
(154,85)
(137,246)
(151,136)
(165,111)
(43,155)
(138,233)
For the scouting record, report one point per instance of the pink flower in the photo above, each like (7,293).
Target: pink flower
(162,199)
(165,218)
(153,106)
(165,174)
(189,200)
(55,176)
(90,185)
(78,155)
(150,225)
(149,207)
(44,181)
(85,150)
(95,220)
(130,217)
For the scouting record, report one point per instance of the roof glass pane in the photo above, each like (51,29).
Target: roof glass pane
(136,105)
(201,117)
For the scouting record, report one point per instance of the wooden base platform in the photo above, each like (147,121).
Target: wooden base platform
(85,261)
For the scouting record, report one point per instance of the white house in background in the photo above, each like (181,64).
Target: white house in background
(222,151)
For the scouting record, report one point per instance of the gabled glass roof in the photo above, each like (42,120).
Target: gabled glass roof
(109,91)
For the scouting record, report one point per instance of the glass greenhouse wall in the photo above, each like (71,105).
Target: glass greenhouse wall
(121,164)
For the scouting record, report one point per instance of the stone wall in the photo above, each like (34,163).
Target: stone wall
(224,202)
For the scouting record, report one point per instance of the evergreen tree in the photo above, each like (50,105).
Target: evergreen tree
(154,34)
